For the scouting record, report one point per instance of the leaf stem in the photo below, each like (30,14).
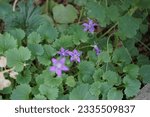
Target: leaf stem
(109,30)
(144,45)
(80,16)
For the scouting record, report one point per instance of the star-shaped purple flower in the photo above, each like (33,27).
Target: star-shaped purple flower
(63,52)
(97,50)
(58,66)
(90,26)
(75,55)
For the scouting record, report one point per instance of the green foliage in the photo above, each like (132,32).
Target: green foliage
(114,63)
(97,11)
(132,86)
(21,92)
(128,26)
(121,55)
(17,57)
(48,32)
(70,81)
(50,92)
(112,77)
(64,14)
(81,92)
(132,70)
(114,94)
(7,42)
(48,53)
(86,72)
(145,73)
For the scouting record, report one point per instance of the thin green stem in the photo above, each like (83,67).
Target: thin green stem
(144,45)
(81,13)
(108,31)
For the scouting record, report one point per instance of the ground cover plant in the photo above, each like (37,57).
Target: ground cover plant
(74,49)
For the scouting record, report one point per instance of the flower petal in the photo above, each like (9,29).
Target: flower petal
(65,68)
(62,60)
(52,69)
(59,73)
(54,60)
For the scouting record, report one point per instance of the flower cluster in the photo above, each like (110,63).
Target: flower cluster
(59,65)
(5,82)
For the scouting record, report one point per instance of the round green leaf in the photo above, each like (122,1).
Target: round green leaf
(64,14)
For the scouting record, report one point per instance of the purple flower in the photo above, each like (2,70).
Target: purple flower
(58,66)
(63,52)
(75,55)
(90,26)
(97,50)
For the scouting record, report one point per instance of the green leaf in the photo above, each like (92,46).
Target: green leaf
(145,73)
(80,2)
(81,92)
(143,3)
(128,26)
(5,9)
(64,14)
(7,42)
(143,60)
(132,86)
(52,82)
(130,45)
(114,94)
(95,89)
(34,38)
(121,55)
(39,97)
(24,78)
(40,79)
(112,77)
(114,16)
(77,34)
(132,70)
(49,52)
(36,49)
(104,57)
(64,41)
(98,74)
(86,72)
(97,11)
(48,32)
(18,34)
(17,57)
(21,92)
(50,92)
(92,56)
(70,81)
(104,88)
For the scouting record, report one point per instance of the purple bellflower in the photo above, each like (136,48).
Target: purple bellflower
(90,26)
(63,52)
(75,55)
(58,66)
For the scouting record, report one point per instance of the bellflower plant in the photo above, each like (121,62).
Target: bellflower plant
(90,26)
(58,66)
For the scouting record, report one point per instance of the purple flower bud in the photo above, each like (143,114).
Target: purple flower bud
(58,66)
(97,50)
